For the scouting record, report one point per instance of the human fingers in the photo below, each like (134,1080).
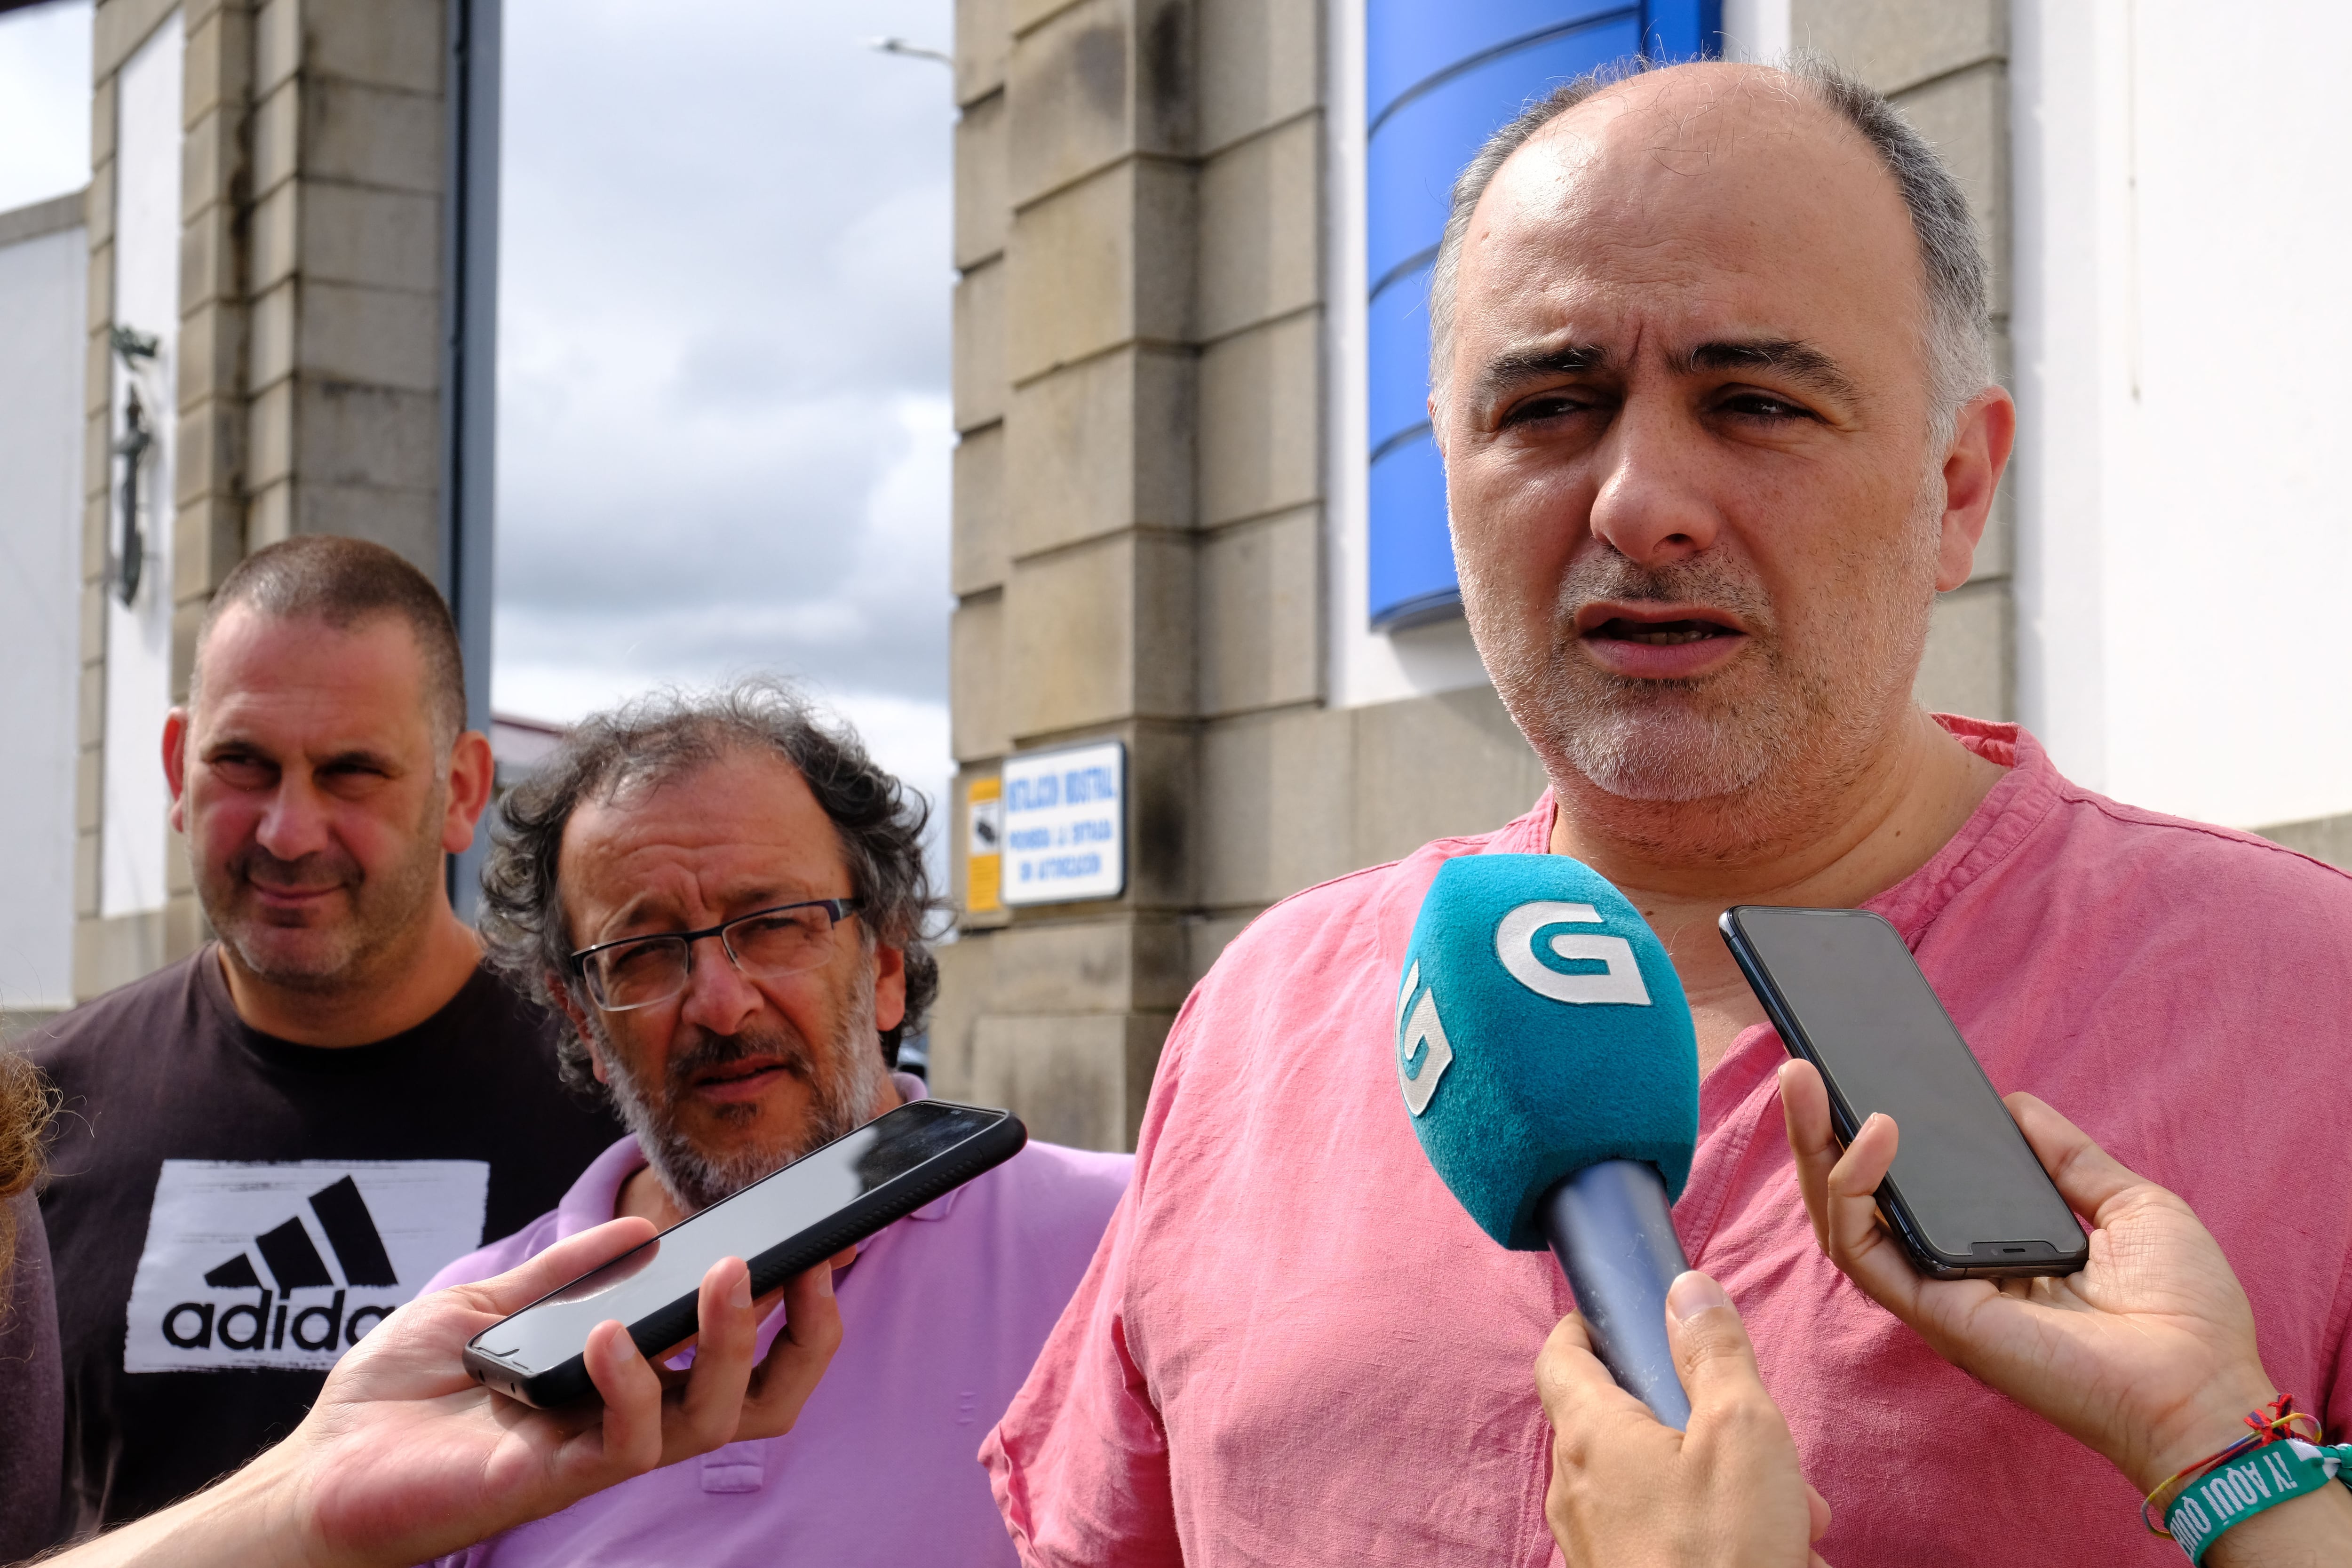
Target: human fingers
(796,1359)
(558,1265)
(1576,1389)
(1818,1507)
(2088,1176)
(710,1402)
(1712,1352)
(1862,1248)
(631,1390)
(1812,1140)
(1609,1452)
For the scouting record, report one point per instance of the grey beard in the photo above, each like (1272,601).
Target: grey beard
(840,1102)
(1661,743)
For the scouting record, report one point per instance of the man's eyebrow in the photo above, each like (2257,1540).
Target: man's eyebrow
(750,897)
(1800,361)
(1507,371)
(362,757)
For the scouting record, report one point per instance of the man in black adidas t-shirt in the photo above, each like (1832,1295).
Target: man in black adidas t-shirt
(266,1148)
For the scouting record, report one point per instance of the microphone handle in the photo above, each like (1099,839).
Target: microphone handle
(1613,1229)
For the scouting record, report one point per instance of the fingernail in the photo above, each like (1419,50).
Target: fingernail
(824,1280)
(739,1295)
(1693,1293)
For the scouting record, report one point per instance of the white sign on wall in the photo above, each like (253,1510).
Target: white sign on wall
(1066,824)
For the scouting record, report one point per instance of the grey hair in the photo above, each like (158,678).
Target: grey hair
(1959,359)
(879,821)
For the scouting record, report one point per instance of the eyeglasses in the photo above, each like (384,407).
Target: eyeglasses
(639,971)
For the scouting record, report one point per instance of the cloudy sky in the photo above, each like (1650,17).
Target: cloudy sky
(723,432)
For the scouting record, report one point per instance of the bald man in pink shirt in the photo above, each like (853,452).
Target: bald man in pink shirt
(1710,378)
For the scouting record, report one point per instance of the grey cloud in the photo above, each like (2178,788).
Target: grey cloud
(724,325)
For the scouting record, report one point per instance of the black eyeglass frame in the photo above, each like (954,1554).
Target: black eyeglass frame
(836,911)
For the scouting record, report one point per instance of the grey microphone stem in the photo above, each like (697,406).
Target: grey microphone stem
(1614,1232)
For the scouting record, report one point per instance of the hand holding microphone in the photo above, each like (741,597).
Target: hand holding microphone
(1630,1493)
(1547,1061)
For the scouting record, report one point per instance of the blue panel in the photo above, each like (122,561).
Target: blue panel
(1412,558)
(1441,75)
(1408,41)
(1399,359)
(1682,29)
(1415,155)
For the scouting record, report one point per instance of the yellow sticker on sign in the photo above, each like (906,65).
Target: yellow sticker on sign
(984,847)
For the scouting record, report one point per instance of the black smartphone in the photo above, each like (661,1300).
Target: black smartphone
(779,1224)
(1965,1195)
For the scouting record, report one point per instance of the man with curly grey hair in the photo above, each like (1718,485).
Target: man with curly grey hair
(725,897)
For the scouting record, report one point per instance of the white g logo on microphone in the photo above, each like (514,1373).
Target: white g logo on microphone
(1515,945)
(1424,1053)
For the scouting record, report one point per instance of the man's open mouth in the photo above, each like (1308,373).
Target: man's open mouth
(738,1071)
(1660,634)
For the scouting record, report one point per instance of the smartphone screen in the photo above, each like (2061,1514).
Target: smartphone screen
(1847,995)
(817,1205)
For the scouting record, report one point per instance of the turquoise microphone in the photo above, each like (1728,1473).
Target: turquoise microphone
(1547,1058)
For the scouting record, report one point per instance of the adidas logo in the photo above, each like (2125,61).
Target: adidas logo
(289,1265)
(294,1264)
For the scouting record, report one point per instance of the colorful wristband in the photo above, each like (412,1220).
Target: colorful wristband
(2260,1479)
(2273,1463)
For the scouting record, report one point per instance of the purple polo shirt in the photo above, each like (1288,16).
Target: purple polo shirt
(941,1316)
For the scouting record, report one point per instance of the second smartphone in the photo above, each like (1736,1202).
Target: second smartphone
(781,1225)
(1966,1196)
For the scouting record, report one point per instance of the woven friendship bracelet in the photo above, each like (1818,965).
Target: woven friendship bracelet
(2274,1463)
(2261,1479)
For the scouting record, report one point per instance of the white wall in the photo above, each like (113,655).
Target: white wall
(139,635)
(1755,30)
(43,283)
(2184,543)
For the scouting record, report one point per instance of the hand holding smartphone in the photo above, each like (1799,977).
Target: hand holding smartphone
(828,1199)
(1965,1195)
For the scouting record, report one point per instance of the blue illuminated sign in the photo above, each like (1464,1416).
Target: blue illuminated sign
(1440,76)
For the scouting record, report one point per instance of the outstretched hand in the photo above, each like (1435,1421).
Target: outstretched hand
(1628,1492)
(2146,1356)
(405,1457)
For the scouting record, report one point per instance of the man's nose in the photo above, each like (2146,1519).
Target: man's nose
(718,998)
(1653,505)
(294,824)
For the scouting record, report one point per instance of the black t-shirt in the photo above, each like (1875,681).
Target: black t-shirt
(227,1212)
(32,1395)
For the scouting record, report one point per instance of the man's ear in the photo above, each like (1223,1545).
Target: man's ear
(889,986)
(175,765)
(472,770)
(1982,438)
(577,1016)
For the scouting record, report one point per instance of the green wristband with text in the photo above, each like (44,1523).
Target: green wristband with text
(2261,1479)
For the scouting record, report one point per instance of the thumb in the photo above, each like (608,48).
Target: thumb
(1711,1347)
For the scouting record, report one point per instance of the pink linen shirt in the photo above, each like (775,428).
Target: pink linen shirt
(941,1316)
(1295,1348)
